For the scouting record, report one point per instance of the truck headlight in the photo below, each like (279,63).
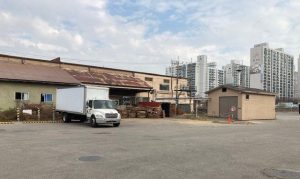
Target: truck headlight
(99,116)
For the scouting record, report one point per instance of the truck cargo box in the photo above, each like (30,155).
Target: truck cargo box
(73,100)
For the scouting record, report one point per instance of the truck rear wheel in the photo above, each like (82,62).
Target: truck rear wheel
(93,122)
(65,118)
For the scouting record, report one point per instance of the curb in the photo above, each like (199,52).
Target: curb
(234,122)
(39,122)
(6,123)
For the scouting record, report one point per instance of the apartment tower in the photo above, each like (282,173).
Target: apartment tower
(237,74)
(272,70)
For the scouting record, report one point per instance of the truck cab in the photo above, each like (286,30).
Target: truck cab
(102,112)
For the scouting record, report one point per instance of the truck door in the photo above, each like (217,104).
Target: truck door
(89,109)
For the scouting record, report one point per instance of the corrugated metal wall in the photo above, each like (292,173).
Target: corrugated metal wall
(226,103)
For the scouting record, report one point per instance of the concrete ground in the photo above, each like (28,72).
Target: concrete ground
(150,148)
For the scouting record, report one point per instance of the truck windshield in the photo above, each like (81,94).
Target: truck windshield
(104,104)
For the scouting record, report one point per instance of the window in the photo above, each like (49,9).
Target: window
(46,98)
(164,87)
(247,96)
(21,96)
(90,104)
(166,81)
(224,89)
(104,104)
(148,79)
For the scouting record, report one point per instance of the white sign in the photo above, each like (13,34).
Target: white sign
(233,108)
(27,111)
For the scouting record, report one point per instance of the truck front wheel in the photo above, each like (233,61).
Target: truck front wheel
(93,121)
(116,124)
(65,118)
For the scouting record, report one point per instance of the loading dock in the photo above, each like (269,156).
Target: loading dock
(166,107)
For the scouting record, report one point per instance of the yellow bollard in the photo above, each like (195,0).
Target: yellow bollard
(18,114)
(39,114)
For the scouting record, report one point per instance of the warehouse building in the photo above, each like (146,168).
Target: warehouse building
(240,102)
(126,87)
(21,84)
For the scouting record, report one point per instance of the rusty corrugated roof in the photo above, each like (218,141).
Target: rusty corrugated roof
(35,73)
(102,78)
(58,61)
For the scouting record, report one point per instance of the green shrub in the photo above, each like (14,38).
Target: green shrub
(8,115)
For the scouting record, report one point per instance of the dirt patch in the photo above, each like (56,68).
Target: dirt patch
(194,122)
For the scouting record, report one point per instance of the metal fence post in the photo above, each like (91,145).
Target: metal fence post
(53,112)
(196,109)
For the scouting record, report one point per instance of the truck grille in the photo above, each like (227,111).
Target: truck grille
(111,115)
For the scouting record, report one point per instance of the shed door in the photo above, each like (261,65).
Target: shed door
(225,105)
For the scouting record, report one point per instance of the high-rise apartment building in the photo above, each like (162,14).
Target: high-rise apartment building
(201,81)
(172,70)
(221,77)
(185,70)
(272,70)
(215,77)
(201,75)
(237,74)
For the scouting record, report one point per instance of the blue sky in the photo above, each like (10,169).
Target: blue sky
(145,35)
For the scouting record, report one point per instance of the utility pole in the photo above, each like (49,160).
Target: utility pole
(177,75)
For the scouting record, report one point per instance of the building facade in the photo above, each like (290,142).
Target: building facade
(272,70)
(237,74)
(215,76)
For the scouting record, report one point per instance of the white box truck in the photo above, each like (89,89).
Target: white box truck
(87,103)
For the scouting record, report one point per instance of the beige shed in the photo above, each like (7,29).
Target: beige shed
(242,103)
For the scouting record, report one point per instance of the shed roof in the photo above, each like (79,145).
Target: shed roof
(102,78)
(243,90)
(35,73)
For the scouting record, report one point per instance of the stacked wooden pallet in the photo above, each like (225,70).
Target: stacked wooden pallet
(155,112)
(140,112)
(123,111)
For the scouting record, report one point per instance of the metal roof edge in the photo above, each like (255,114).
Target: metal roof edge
(83,65)
(40,82)
(242,90)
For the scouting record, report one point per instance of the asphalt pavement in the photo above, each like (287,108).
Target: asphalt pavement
(152,148)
